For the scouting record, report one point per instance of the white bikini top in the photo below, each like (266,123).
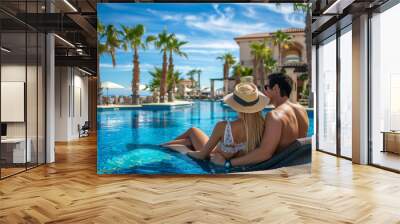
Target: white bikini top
(228,145)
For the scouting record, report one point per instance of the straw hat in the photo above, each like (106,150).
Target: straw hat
(246,98)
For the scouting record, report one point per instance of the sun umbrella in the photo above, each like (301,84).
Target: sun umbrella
(205,90)
(142,87)
(111,85)
(187,89)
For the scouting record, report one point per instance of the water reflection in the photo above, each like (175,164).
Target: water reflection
(128,140)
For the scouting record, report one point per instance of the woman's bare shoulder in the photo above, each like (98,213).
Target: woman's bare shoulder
(220,126)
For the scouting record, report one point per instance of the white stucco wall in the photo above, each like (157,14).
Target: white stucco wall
(71,103)
(246,57)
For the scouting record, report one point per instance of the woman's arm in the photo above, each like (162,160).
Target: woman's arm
(215,137)
(226,155)
(269,144)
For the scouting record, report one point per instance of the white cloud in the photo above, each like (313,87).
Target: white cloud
(220,21)
(126,67)
(184,68)
(215,6)
(205,51)
(223,22)
(113,6)
(281,8)
(181,37)
(294,18)
(229,10)
(165,15)
(205,69)
(191,18)
(250,12)
(171,17)
(122,50)
(117,66)
(212,44)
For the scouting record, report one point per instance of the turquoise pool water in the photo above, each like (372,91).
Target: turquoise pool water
(128,139)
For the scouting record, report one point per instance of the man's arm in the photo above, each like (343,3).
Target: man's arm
(269,142)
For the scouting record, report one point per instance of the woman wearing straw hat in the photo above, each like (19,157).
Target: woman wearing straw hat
(230,138)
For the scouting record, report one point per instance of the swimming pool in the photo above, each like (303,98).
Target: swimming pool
(128,138)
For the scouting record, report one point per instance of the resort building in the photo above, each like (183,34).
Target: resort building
(186,88)
(48,101)
(293,57)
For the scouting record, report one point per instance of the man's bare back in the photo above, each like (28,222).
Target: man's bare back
(294,121)
(283,125)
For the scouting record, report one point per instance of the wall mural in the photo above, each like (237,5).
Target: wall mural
(202,88)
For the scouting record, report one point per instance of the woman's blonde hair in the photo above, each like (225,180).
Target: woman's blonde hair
(254,125)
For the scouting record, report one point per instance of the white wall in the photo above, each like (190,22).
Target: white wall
(12,73)
(80,110)
(360,90)
(71,102)
(33,126)
(62,82)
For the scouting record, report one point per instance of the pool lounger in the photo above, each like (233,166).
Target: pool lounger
(297,153)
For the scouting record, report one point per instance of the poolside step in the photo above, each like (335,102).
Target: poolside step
(167,105)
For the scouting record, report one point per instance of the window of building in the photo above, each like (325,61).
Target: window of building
(346,92)
(326,92)
(385,89)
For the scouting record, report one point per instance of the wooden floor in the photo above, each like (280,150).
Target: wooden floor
(70,191)
(387,159)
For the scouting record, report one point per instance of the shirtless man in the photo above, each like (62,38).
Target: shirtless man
(283,125)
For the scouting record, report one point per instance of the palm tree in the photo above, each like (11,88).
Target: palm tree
(228,60)
(109,46)
(282,40)
(173,79)
(132,37)
(101,49)
(259,50)
(156,75)
(304,90)
(174,46)
(161,43)
(246,71)
(236,72)
(198,72)
(101,33)
(112,42)
(191,74)
(306,8)
(269,64)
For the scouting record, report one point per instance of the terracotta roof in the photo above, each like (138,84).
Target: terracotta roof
(185,81)
(262,35)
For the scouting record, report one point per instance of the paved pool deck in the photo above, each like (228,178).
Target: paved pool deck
(166,105)
(118,106)
(269,107)
(149,105)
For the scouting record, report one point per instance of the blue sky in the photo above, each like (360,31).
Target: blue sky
(210,30)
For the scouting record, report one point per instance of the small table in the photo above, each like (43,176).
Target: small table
(17,153)
(391,141)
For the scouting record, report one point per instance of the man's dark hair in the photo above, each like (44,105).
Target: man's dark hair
(284,82)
